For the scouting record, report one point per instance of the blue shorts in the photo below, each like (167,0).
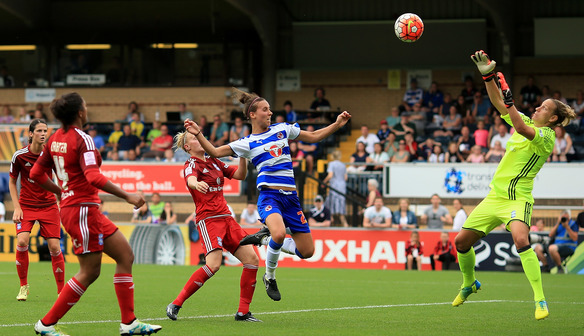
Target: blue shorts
(286,204)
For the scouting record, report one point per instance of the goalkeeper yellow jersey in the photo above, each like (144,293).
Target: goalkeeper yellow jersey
(522,161)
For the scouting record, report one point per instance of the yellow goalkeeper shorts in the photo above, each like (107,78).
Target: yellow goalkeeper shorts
(494,211)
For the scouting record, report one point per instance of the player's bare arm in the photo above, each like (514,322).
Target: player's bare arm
(213,151)
(199,186)
(322,133)
(17,215)
(241,171)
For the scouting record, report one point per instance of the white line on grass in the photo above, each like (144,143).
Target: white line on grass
(291,311)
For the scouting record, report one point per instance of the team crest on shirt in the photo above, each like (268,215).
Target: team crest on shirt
(100,239)
(280,135)
(513,214)
(218,181)
(220,241)
(275,150)
(216,167)
(18,226)
(269,208)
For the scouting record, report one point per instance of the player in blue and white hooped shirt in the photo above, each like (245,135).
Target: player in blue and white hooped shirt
(278,203)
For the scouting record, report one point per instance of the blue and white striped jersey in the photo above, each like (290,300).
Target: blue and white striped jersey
(270,154)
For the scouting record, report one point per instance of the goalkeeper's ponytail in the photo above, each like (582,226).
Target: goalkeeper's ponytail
(564,112)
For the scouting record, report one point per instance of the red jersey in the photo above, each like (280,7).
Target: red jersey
(213,172)
(414,249)
(71,153)
(31,194)
(441,249)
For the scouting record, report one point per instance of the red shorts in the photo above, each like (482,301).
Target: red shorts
(220,232)
(88,228)
(48,218)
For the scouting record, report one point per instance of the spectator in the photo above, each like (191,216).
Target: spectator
(426,149)
(238,130)
(320,103)
(132,155)
(205,126)
(578,106)
(404,127)
(390,145)
(462,108)
(6,117)
(496,153)
(169,156)
(379,157)
(160,144)
(295,154)
(142,215)
(480,108)
(372,192)
(23,117)
(414,252)
(469,91)
(133,107)
(137,126)
(153,133)
(476,155)
(434,98)
(337,179)
(279,119)
(156,207)
(465,142)
(97,139)
(168,216)
(250,215)
(403,218)
(411,146)
(114,155)
(291,115)
(545,94)
(530,95)
(360,156)
(367,138)
(481,136)
(377,216)
(563,149)
(558,96)
(383,132)
(39,114)
(126,142)
(436,215)
(446,105)
(219,132)
(503,135)
(184,114)
(114,137)
(443,251)
(394,117)
(402,154)
(453,155)
(494,127)
(6,79)
(451,125)
(539,226)
(418,118)
(565,233)
(437,155)
(413,95)
(460,215)
(320,215)
(311,151)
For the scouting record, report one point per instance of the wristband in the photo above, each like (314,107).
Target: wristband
(197,133)
(489,77)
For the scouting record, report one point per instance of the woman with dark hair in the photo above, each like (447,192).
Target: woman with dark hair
(278,204)
(72,154)
(34,204)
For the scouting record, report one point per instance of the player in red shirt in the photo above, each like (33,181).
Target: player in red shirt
(205,177)
(34,204)
(72,154)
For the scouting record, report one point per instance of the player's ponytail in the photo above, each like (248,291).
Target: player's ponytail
(179,141)
(564,112)
(32,127)
(66,108)
(249,101)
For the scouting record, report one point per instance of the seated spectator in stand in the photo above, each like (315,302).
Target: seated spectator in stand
(160,144)
(377,216)
(320,103)
(153,133)
(539,226)
(453,155)
(6,116)
(238,130)
(444,251)
(529,96)
(320,215)
(412,95)
(402,154)
(465,142)
(476,155)
(436,215)
(133,107)
(418,118)
(114,137)
(142,215)
(558,96)
(469,90)
(23,117)
(445,108)
(337,176)
(563,149)
(578,106)
(169,156)
(113,155)
(205,126)
(291,115)
(168,216)
(434,98)
(184,114)
(137,126)
(545,94)
(219,132)
(451,125)
(97,139)
(250,215)
(132,155)
(295,154)
(404,127)
(564,234)
(437,155)
(480,108)
(414,252)
(411,146)
(279,119)
(426,149)
(7,80)
(379,157)
(368,139)
(156,207)
(496,153)
(462,108)
(393,118)
(372,192)
(403,218)
(126,142)
(481,136)
(39,114)
(503,135)
(383,132)
(311,151)
(460,215)
(390,145)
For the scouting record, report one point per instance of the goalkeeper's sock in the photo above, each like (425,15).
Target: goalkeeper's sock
(466,262)
(532,271)
(195,282)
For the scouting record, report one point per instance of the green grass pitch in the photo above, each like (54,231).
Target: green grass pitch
(314,302)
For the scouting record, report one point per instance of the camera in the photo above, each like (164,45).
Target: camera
(564,219)
(535,238)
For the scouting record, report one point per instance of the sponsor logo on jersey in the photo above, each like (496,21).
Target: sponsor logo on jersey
(269,208)
(275,150)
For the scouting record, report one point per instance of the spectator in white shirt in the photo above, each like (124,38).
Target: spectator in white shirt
(369,139)
(250,215)
(377,216)
(459,217)
(502,136)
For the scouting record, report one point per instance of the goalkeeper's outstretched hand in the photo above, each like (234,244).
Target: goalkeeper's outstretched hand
(505,90)
(485,65)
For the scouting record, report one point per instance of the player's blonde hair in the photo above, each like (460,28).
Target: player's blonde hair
(564,112)
(179,141)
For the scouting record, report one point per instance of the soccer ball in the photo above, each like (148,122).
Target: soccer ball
(409,27)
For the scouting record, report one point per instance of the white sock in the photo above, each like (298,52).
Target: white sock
(289,246)
(272,262)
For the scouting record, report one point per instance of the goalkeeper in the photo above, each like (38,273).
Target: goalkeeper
(510,200)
